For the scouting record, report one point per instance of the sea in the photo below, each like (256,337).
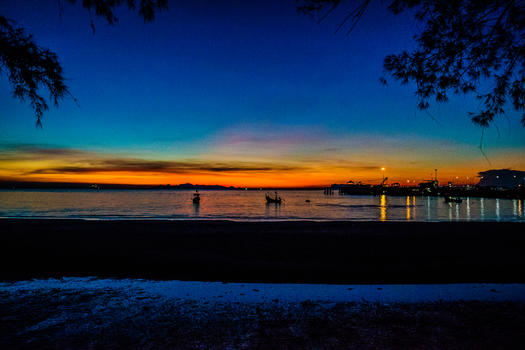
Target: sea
(249,206)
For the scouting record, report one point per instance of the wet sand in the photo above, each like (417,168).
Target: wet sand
(285,252)
(131,314)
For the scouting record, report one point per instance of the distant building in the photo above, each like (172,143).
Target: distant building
(502,178)
(428,186)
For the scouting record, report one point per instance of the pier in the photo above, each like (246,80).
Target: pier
(425,190)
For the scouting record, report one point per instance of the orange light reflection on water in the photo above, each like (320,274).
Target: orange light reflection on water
(383,208)
(408,207)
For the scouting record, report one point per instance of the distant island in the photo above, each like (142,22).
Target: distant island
(16,185)
(81,185)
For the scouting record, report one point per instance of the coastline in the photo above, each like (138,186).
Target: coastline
(113,314)
(338,252)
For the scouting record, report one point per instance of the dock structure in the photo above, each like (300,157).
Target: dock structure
(502,179)
(329,191)
(496,183)
(430,189)
(352,188)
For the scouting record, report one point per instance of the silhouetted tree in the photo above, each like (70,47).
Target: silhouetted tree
(466,46)
(31,68)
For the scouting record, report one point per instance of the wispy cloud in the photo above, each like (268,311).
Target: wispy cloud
(152,166)
(27,151)
(44,159)
(303,162)
(272,141)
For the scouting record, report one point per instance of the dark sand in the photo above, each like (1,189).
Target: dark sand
(106,319)
(334,252)
(305,252)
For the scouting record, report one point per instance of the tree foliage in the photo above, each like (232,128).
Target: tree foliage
(465,46)
(106,8)
(31,68)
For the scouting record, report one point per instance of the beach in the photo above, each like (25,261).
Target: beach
(87,313)
(279,252)
(239,285)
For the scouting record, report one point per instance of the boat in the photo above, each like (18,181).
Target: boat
(196,197)
(276,200)
(450,199)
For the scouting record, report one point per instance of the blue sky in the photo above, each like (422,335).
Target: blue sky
(172,89)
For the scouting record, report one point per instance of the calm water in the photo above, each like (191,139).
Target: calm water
(249,205)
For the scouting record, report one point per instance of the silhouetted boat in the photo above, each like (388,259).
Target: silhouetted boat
(276,200)
(196,197)
(450,199)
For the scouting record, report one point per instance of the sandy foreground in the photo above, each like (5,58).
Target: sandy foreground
(108,313)
(265,285)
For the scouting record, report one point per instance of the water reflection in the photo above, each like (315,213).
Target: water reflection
(196,209)
(249,205)
(408,208)
(383,208)
(273,209)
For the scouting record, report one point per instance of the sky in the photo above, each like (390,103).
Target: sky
(242,93)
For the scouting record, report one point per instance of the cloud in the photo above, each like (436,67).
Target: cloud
(58,160)
(148,166)
(322,164)
(332,150)
(27,151)
(267,140)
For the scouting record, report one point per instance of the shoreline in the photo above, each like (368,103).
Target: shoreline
(262,293)
(144,315)
(335,252)
(248,220)
(368,190)
(227,220)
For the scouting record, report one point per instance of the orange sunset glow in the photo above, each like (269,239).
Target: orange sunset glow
(247,167)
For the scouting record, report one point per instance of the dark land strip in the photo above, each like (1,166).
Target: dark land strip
(289,252)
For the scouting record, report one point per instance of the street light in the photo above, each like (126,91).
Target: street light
(383,173)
